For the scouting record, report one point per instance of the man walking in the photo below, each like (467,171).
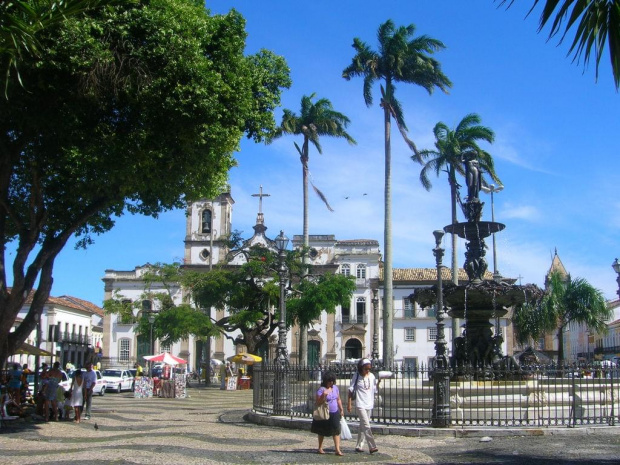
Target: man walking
(90,379)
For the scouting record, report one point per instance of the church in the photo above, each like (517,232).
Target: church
(347,334)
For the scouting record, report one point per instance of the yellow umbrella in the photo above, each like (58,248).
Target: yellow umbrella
(246,359)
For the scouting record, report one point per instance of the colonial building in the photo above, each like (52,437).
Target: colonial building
(70,328)
(347,334)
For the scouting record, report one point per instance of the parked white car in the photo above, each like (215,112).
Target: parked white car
(117,380)
(100,385)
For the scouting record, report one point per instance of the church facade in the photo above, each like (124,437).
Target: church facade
(347,334)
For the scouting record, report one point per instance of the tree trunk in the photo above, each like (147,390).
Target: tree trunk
(456,322)
(388,336)
(560,346)
(303,330)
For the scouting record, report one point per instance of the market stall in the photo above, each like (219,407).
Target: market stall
(172,383)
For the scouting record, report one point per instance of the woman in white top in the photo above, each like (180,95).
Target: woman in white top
(364,385)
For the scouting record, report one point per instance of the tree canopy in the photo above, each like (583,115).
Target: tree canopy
(132,109)
(566,300)
(596,24)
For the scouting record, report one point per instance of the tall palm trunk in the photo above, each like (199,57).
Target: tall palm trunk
(388,336)
(455,266)
(303,329)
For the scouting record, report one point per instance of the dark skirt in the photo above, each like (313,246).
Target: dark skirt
(329,427)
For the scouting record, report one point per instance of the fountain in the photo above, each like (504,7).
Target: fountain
(479,301)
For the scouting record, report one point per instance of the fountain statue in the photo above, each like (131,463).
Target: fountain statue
(482,299)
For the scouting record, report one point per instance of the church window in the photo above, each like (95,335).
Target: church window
(206,221)
(361,272)
(345,269)
(204,254)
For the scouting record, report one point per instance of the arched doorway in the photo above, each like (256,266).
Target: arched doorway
(353,349)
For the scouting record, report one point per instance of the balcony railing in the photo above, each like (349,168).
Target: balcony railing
(74,338)
(355,319)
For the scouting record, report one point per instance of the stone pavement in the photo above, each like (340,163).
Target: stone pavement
(210,427)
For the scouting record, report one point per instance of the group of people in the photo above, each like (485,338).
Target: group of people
(51,399)
(361,393)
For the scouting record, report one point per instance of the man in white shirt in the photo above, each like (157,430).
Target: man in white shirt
(90,379)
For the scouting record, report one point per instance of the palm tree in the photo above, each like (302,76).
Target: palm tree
(597,22)
(452,146)
(316,119)
(567,300)
(401,58)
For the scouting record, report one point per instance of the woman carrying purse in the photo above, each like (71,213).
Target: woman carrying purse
(329,393)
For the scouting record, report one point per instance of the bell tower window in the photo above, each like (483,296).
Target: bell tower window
(206,221)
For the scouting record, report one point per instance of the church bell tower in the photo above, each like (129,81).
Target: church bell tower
(208,225)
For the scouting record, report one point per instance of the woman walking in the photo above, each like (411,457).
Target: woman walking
(77,395)
(363,388)
(328,392)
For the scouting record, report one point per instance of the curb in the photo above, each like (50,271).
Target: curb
(427,432)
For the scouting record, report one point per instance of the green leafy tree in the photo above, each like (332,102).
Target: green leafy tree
(566,300)
(596,24)
(317,118)
(249,293)
(407,59)
(451,147)
(136,109)
(21,21)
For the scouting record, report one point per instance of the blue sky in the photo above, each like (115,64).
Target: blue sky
(556,147)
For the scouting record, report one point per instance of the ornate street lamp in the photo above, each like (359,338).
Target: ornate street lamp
(441,376)
(375,326)
(616,266)
(282,405)
(493,189)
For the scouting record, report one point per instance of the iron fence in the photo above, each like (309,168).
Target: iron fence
(526,396)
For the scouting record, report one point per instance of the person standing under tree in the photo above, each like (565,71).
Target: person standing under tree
(90,379)
(77,395)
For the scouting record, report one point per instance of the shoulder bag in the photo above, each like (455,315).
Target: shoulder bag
(321,412)
(353,393)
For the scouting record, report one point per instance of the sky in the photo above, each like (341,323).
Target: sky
(555,150)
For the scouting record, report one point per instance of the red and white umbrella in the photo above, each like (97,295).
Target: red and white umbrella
(166,358)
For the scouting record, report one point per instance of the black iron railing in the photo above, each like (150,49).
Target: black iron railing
(526,396)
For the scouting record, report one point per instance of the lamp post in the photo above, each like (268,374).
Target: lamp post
(375,326)
(441,376)
(616,266)
(151,322)
(282,404)
(493,189)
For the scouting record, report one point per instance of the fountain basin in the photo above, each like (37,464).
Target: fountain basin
(479,230)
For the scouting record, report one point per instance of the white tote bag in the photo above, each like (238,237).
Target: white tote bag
(345,432)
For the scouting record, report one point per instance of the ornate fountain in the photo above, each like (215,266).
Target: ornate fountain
(481,302)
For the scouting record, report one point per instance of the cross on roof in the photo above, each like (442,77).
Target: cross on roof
(260,196)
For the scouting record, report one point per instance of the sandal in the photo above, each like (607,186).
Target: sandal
(372,451)
(339,453)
